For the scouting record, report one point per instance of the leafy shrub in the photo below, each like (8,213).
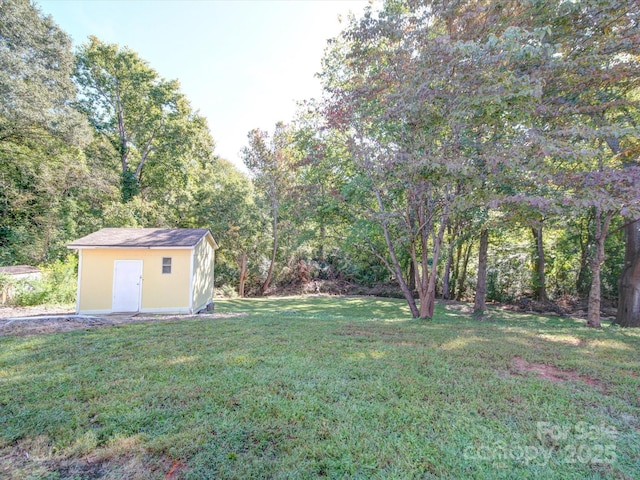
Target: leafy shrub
(228,291)
(61,280)
(29,293)
(226,273)
(509,277)
(5,280)
(57,286)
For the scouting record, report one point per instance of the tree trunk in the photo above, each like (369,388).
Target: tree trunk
(411,278)
(274,250)
(428,301)
(395,266)
(446,293)
(593,315)
(242,262)
(601,230)
(446,276)
(539,280)
(456,269)
(629,283)
(582,280)
(463,274)
(479,304)
(323,235)
(122,134)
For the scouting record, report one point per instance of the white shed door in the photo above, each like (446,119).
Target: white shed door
(127,280)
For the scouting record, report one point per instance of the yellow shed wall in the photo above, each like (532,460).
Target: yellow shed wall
(159,291)
(204,261)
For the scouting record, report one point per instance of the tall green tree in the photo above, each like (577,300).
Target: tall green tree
(430,105)
(320,177)
(152,129)
(44,181)
(587,126)
(36,89)
(225,204)
(269,158)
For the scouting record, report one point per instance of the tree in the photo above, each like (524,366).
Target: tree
(629,283)
(225,203)
(479,304)
(539,263)
(43,175)
(320,175)
(269,160)
(583,58)
(431,99)
(589,105)
(149,124)
(36,90)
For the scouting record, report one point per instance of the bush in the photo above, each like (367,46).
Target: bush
(5,287)
(28,293)
(228,291)
(58,285)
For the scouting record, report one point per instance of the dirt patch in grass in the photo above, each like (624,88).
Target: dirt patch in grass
(36,458)
(37,325)
(552,373)
(8,311)
(175,471)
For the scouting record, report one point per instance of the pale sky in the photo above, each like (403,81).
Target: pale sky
(242,63)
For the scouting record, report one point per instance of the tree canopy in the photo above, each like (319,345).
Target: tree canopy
(146,120)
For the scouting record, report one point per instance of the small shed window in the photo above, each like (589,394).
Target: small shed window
(166,264)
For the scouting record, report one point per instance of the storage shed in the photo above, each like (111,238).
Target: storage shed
(154,270)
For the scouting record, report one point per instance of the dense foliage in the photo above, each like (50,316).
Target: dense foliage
(486,115)
(469,150)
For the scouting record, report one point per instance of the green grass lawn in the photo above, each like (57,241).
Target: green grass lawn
(323,387)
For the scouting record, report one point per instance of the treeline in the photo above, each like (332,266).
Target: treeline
(91,139)
(483,149)
(467,150)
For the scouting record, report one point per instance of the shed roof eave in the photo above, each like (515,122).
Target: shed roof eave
(211,240)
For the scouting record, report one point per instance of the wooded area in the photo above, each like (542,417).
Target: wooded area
(466,150)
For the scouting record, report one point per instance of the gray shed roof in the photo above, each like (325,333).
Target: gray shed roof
(142,238)
(19,270)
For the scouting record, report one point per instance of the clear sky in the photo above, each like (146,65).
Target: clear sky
(242,63)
